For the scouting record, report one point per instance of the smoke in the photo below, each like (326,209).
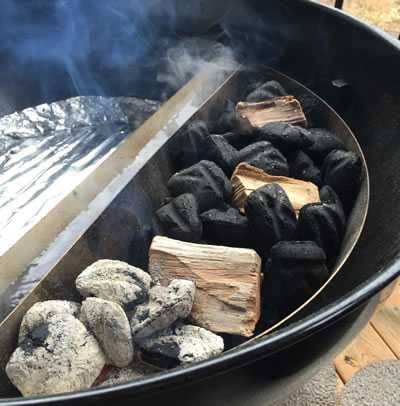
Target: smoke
(78,40)
(55,49)
(192,55)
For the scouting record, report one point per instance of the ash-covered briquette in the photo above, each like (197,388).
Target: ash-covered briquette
(206,181)
(110,325)
(115,376)
(166,305)
(302,167)
(271,216)
(39,313)
(225,226)
(264,156)
(324,224)
(286,137)
(323,142)
(116,281)
(292,274)
(342,171)
(185,343)
(63,357)
(218,150)
(180,219)
(265,91)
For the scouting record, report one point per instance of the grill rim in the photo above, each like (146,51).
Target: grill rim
(284,338)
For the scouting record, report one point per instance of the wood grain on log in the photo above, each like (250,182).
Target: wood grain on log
(227,298)
(284,109)
(247,178)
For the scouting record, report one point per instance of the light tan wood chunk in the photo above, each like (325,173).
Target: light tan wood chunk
(227,298)
(246,179)
(284,109)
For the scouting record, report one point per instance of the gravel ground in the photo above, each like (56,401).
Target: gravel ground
(385,14)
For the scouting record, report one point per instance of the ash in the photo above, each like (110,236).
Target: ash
(45,151)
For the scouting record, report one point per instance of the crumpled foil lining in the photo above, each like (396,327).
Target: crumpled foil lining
(45,151)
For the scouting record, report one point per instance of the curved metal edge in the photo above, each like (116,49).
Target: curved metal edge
(361,206)
(271,344)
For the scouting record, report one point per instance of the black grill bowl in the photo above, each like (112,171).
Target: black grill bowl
(355,68)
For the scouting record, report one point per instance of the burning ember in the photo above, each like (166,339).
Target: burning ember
(251,230)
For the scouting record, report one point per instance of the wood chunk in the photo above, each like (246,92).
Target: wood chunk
(284,109)
(247,178)
(227,298)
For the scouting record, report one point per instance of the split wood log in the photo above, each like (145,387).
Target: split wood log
(247,178)
(227,298)
(284,109)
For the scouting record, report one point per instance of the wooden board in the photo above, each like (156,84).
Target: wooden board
(378,341)
(368,347)
(386,322)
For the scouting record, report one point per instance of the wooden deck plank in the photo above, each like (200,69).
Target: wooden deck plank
(368,347)
(394,298)
(386,322)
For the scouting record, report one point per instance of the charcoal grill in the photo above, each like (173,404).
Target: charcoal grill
(309,42)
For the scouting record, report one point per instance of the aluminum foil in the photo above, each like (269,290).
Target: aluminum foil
(45,151)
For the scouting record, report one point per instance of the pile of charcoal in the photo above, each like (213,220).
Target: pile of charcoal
(65,346)
(261,179)
(252,228)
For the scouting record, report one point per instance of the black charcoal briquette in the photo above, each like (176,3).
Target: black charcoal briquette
(323,224)
(227,121)
(271,217)
(294,271)
(265,91)
(221,152)
(225,227)
(342,171)
(323,142)
(328,196)
(191,149)
(264,156)
(180,219)
(302,167)
(285,137)
(206,181)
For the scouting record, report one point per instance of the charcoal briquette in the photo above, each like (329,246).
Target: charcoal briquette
(329,196)
(323,224)
(271,216)
(323,142)
(264,156)
(221,152)
(239,140)
(285,137)
(191,149)
(180,219)
(265,91)
(302,167)
(227,121)
(225,227)
(342,171)
(294,271)
(206,181)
